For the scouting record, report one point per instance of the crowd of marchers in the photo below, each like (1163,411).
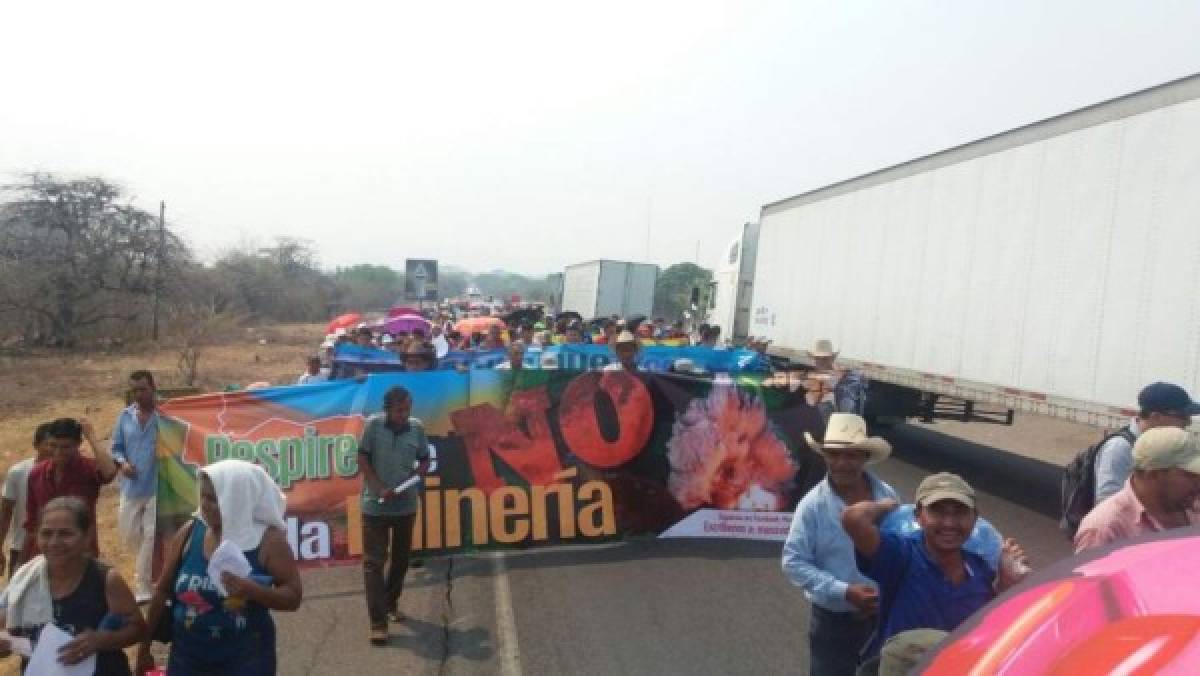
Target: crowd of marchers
(215,620)
(881,599)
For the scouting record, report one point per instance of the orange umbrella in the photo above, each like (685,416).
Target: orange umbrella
(477,324)
(343,322)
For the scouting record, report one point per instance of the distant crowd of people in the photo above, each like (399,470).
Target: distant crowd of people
(522,339)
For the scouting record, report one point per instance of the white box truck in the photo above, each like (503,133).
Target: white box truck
(602,288)
(1053,268)
(733,285)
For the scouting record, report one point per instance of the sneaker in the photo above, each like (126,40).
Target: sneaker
(379,635)
(396,615)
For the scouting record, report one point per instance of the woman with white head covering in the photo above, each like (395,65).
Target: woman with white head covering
(228,633)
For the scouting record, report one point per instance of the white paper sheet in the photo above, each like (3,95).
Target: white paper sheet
(405,485)
(227,558)
(44,661)
(19,645)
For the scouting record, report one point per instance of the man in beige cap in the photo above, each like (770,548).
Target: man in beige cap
(1161,493)
(902,653)
(927,580)
(819,557)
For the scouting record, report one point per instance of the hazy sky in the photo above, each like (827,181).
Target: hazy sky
(532,135)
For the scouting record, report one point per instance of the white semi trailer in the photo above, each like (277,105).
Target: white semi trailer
(733,285)
(602,288)
(1053,268)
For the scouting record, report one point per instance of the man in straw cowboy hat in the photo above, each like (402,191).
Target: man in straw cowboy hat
(832,389)
(927,580)
(626,348)
(818,556)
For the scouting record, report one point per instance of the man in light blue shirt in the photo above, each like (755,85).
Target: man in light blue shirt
(134,448)
(1159,405)
(818,556)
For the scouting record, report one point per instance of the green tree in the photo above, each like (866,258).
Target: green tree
(503,284)
(281,282)
(452,281)
(367,287)
(672,293)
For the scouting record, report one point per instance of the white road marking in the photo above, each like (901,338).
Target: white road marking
(507,646)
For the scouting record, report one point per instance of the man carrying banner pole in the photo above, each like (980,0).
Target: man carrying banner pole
(818,556)
(134,450)
(393,453)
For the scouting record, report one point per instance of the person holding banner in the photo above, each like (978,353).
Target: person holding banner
(135,451)
(626,348)
(818,556)
(516,357)
(392,453)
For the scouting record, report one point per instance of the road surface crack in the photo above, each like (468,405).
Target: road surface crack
(447,617)
(318,646)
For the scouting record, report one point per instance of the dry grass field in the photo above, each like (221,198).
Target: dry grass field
(42,385)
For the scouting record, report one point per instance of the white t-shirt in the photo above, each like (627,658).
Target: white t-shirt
(16,484)
(307,378)
(440,346)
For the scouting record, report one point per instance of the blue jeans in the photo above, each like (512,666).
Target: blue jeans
(835,641)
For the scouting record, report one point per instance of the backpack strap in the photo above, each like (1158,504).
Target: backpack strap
(184,548)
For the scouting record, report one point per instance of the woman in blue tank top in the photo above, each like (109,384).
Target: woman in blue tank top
(230,635)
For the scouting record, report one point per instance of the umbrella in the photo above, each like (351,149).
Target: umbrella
(343,322)
(1130,608)
(477,324)
(400,311)
(407,323)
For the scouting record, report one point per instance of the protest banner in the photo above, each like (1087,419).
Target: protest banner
(523,457)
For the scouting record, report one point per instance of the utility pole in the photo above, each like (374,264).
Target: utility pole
(162,250)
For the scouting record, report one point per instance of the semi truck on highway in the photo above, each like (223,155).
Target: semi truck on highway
(601,288)
(1053,268)
(733,285)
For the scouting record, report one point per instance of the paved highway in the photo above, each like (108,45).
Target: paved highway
(643,606)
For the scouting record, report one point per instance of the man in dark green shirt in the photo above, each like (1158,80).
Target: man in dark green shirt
(392,450)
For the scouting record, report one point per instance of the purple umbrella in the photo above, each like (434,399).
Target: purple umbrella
(407,323)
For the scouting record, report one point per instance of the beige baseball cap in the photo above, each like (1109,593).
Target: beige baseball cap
(945,486)
(1166,447)
(903,652)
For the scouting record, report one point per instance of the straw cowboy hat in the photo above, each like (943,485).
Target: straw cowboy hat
(846,430)
(823,348)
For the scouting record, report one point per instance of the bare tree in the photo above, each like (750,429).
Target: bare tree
(72,256)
